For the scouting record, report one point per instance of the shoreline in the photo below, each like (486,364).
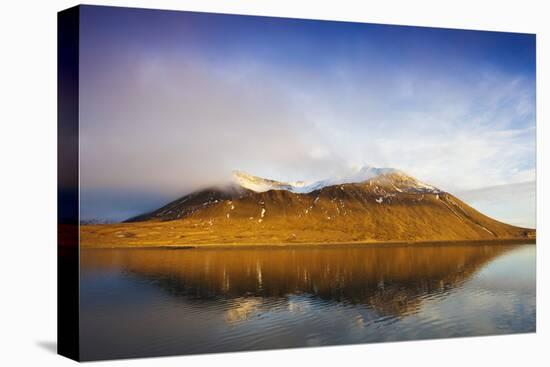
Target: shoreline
(507,241)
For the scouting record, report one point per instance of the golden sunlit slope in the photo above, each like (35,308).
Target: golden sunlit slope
(389,207)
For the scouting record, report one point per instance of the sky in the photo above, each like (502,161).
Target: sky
(172,102)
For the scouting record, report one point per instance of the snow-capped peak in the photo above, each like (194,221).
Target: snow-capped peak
(367,172)
(260,184)
(404,182)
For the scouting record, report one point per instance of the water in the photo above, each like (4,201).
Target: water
(144,302)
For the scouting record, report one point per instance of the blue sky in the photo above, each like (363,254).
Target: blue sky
(173,101)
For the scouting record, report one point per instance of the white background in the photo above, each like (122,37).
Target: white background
(28,182)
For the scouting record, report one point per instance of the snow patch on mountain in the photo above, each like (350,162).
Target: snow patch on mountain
(400,181)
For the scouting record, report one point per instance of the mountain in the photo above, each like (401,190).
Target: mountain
(371,205)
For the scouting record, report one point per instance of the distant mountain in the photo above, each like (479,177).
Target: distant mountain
(374,204)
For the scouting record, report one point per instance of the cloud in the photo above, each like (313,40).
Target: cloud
(453,133)
(169,122)
(164,125)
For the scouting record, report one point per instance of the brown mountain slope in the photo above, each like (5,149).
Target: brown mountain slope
(390,207)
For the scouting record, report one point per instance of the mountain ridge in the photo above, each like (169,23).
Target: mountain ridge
(365,173)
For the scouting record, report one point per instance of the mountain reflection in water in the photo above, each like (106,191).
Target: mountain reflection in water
(391,280)
(248,286)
